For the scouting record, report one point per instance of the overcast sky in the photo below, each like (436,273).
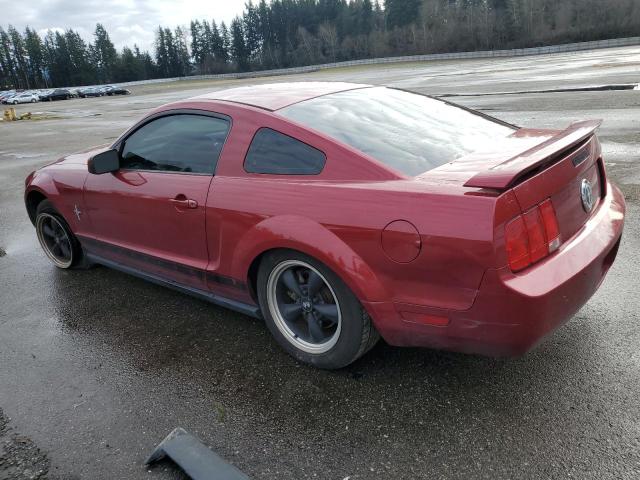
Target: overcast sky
(127,21)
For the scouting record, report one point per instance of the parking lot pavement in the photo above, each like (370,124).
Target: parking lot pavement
(96,367)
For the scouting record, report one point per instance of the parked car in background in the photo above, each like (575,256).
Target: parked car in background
(57,94)
(43,93)
(114,90)
(90,92)
(6,95)
(25,97)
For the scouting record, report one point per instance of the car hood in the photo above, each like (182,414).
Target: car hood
(81,157)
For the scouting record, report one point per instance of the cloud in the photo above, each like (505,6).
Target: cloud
(128,22)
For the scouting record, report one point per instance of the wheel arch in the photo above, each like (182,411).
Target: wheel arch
(32,199)
(39,186)
(300,234)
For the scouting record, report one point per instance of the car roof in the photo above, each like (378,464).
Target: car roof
(274,96)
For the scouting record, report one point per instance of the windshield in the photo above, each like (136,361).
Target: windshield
(406,131)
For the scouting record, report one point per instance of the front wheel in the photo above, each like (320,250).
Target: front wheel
(311,312)
(57,240)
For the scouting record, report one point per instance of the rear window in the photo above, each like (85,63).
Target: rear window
(408,132)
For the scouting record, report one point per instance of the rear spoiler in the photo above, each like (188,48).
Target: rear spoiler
(506,174)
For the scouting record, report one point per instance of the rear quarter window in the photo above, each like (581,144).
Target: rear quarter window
(272,152)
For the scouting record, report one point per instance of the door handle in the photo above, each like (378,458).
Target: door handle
(182,201)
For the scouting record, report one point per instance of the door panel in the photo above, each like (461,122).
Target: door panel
(150,215)
(152,221)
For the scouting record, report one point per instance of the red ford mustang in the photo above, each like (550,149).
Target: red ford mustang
(341,212)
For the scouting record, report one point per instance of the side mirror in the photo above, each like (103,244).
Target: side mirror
(104,162)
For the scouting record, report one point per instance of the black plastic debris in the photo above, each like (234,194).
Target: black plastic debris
(196,459)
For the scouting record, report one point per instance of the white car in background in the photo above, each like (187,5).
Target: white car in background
(24,98)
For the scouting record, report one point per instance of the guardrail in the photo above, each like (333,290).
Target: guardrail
(518,52)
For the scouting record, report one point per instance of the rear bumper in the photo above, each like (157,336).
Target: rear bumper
(512,313)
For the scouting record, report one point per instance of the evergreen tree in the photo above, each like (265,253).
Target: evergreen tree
(401,12)
(6,61)
(198,42)
(49,55)
(126,66)
(207,39)
(35,53)
(19,54)
(183,65)
(61,67)
(218,44)
(225,43)
(105,54)
(162,54)
(366,17)
(252,29)
(144,64)
(80,67)
(239,48)
(172,54)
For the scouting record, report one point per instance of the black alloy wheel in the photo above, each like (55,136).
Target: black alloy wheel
(311,312)
(55,240)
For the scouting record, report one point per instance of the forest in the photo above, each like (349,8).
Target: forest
(287,33)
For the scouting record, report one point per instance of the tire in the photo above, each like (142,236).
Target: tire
(47,220)
(343,329)
(33,100)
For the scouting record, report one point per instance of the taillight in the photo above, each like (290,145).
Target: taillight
(550,224)
(517,242)
(537,239)
(532,236)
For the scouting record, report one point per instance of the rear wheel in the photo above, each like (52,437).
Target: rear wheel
(56,238)
(311,312)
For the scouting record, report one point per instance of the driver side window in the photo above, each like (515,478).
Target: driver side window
(187,143)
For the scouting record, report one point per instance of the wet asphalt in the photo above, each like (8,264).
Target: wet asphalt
(96,367)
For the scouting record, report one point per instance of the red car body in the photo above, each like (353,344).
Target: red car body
(425,255)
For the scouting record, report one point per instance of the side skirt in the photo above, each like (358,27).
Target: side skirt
(247,309)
